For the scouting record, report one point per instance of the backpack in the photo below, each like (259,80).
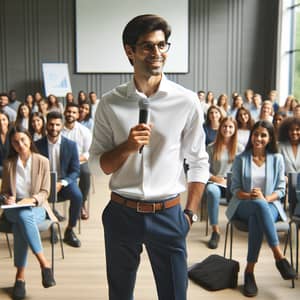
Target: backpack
(215,273)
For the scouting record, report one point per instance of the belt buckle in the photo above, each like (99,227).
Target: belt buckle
(140,210)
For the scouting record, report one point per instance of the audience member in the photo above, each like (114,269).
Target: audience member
(277,120)
(85,116)
(248,98)
(289,144)
(210,99)
(236,104)
(63,156)
(244,124)
(69,98)
(23,115)
(82,97)
(212,123)
(4,101)
(272,96)
(37,126)
(258,184)
(26,180)
(29,100)
(43,108)
(37,97)
(13,102)
(204,105)
(288,105)
(54,104)
(94,103)
(221,155)
(4,141)
(222,102)
(256,107)
(82,137)
(266,111)
(296,111)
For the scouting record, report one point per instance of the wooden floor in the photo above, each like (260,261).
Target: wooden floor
(81,275)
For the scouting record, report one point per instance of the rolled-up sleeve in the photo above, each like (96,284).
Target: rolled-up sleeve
(102,139)
(194,147)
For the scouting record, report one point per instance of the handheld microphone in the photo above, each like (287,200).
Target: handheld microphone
(144,105)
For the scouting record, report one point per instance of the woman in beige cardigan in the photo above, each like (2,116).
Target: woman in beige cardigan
(26,180)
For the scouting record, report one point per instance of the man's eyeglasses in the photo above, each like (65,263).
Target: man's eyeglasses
(148,47)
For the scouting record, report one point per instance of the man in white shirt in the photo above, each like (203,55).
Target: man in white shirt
(82,136)
(146,166)
(4,101)
(94,103)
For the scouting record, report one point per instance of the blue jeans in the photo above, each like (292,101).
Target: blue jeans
(26,233)
(163,234)
(261,217)
(213,194)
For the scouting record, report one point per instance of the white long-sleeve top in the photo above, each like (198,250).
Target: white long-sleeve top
(177,133)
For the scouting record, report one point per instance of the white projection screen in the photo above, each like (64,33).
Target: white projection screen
(99,26)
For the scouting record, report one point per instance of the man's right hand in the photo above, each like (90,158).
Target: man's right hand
(139,136)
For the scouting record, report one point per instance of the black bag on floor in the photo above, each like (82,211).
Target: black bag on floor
(215,273)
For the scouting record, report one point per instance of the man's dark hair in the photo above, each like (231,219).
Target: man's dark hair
(4,95)
(72,105)
(54,115)
(142,25)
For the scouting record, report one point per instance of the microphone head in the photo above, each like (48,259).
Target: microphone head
(144,104)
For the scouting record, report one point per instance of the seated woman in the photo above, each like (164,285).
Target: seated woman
(23,115)
(221,155)
(258,184)
(37,126)
(244,123)
(289,144)
(212,123)
(26,180)
(85,115)
(4,140)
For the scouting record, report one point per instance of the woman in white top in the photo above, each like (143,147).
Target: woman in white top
(257,185)
(221,155)
(244,124)
(26,180)
(266,111)
(289,144)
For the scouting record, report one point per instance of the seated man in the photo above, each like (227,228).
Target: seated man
(63,158)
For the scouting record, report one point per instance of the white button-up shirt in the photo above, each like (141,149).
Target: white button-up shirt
(177,133)
(82,136)
(23,179)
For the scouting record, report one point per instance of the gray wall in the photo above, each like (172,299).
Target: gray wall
(232,46)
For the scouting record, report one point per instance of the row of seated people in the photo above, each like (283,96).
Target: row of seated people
(250,100)
(22,112)
(71,129)
(258,183)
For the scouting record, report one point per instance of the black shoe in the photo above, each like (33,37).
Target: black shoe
(286,270)
(59,217)
(249,288)
(71,239)
(47,278)
(214,240)
(19,290)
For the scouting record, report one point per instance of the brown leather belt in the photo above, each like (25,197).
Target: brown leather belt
(143,206)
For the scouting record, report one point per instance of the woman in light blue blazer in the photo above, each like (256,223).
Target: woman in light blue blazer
(258,184)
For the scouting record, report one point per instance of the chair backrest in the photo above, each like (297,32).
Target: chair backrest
(53,195)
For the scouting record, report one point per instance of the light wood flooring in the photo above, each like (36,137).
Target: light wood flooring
(81,275)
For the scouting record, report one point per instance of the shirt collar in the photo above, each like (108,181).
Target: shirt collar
(28,162)
(58,141)
(163,89)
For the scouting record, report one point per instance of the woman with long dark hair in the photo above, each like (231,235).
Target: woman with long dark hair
(258,184)
(26,180)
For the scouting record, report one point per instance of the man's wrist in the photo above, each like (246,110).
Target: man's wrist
(191,215)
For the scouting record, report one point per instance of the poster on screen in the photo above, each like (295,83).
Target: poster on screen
(56,79)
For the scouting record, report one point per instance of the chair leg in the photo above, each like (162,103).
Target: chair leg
(231,238)
(289,240)
(226,236)
(8,245)
(297,247)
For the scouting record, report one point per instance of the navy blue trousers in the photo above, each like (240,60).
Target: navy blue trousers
(162,233)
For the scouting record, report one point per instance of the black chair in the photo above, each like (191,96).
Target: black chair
(294,219)
(5,228)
